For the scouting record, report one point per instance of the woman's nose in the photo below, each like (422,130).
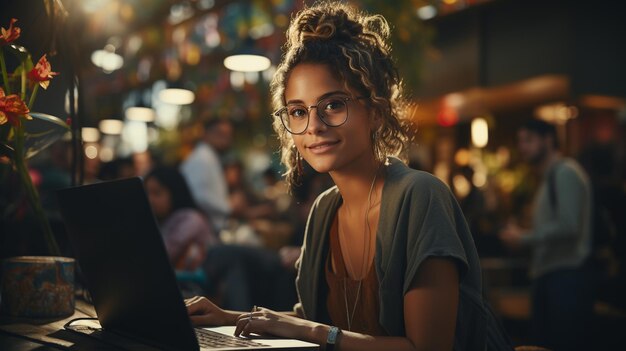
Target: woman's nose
(315,123)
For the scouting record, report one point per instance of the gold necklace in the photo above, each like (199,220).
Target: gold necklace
(349,317)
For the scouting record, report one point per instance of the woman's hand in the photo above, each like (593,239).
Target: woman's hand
(267,322)
(203,312)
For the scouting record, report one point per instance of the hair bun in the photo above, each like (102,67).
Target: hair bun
(340,23)
(327,25)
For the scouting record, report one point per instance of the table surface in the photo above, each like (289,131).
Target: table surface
(29,334)
(22,334)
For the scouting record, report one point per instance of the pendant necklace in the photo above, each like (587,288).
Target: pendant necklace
(350,317)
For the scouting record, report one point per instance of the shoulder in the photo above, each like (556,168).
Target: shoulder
(568,168)
(326,198)
(190,216)
(404,180)
(418,197)
(202,150)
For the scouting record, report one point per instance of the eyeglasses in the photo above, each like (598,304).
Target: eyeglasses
(332,111)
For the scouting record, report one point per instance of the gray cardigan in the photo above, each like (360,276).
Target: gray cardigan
(561,234)
(419,218)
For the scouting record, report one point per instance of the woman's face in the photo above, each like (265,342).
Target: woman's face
(325,148)
(159,197)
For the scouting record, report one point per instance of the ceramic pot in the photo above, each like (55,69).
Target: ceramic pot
(37,286)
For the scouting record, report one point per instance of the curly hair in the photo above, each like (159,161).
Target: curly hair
(354,46)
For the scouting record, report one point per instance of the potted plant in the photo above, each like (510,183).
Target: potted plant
(32,286)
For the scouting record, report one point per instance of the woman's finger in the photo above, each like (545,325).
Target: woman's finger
(192,300)
(247,329)
(243,316)
(196,307)
(241,323)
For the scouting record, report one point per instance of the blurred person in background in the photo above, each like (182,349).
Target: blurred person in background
(186,231)
(248,210)
(232,274)
(560,242)
(204,172)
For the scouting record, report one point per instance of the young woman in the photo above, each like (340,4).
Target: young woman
(387,262)
(186,232)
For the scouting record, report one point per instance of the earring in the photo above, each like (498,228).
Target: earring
(299,167)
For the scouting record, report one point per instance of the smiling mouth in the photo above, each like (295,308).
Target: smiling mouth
(321,147)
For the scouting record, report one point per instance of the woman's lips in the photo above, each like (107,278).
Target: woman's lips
(322,147)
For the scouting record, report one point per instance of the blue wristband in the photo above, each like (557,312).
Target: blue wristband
(331,340)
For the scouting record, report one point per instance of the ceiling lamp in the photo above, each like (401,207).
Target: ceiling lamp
(140,114)
(90,135)
(111,126)
(107,59)
(480,132)
(247,63)
(135,136)
(427,12)
(247,57)
(176,96)
(558,113)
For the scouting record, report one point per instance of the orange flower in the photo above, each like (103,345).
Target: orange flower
(8,36)
(42,72)
(11,108)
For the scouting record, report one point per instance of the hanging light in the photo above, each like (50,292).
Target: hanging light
(172,92)
(90,135)
(91,151)
(111,126)
(140,114)
(480,132)
(135,136)
(247,63)
(247,57)
(177,96)
(107,59)
(427,12)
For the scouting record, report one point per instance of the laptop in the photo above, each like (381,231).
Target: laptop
(121,253)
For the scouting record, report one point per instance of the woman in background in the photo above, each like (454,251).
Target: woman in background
(186,232)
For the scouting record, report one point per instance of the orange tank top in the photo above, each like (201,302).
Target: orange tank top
(364,319)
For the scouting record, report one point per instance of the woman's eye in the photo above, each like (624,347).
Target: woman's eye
(297,113)
(334,105)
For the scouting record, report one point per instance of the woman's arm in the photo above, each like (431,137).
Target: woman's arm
(203,312)
(430,306)
(430,309)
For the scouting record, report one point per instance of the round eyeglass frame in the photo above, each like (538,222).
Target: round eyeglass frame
(345,99)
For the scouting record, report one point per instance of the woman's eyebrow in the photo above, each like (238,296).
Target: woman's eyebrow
(322,97)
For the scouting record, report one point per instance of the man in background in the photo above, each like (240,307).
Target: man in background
(204,172)
(559,240)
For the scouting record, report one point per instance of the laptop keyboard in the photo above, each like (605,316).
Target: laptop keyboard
(208,339)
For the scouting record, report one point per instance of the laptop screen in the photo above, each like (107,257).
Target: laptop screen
(121,254)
